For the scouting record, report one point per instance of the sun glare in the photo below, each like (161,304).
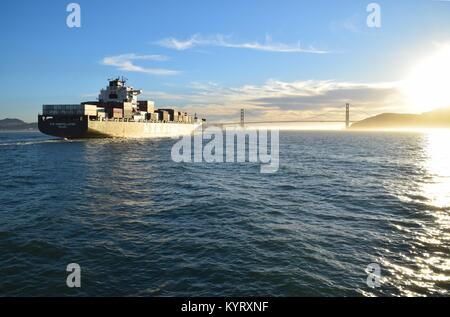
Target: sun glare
(427,86)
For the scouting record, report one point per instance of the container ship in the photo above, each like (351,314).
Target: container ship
(117,113)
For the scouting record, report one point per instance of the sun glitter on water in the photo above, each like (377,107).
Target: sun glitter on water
(437,190)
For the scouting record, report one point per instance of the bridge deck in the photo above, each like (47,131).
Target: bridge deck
(293,121)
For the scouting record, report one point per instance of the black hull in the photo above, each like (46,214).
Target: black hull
(65,127)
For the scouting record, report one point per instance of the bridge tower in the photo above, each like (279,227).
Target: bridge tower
(347,115)
(242,117)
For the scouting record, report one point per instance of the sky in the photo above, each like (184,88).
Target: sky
(277,59)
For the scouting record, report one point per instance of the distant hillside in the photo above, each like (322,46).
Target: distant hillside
(435,119)
(16,124)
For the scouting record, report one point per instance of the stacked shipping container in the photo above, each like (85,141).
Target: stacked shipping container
(69,110)
(119,111)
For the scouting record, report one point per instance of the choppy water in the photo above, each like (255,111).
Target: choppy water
(139,224)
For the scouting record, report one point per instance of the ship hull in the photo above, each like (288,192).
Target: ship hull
(82,128)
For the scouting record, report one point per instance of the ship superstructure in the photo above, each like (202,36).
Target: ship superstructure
(117,113)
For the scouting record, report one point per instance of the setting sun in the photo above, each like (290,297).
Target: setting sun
(426,87)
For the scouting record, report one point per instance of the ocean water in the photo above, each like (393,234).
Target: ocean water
(139,224)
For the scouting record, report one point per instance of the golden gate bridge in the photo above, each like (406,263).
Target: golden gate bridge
(314,119)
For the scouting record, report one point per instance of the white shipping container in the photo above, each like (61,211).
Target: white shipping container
(89,110)
(146,105)
(154,116)
(138,118)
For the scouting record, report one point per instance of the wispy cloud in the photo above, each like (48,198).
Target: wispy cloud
(220,40)
(354,24)
(279,100)
(126,62)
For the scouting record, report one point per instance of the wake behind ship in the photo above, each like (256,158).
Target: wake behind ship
(117,113)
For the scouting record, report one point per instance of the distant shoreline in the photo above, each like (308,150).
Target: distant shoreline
(436,119)
(17,125)
(21,130)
